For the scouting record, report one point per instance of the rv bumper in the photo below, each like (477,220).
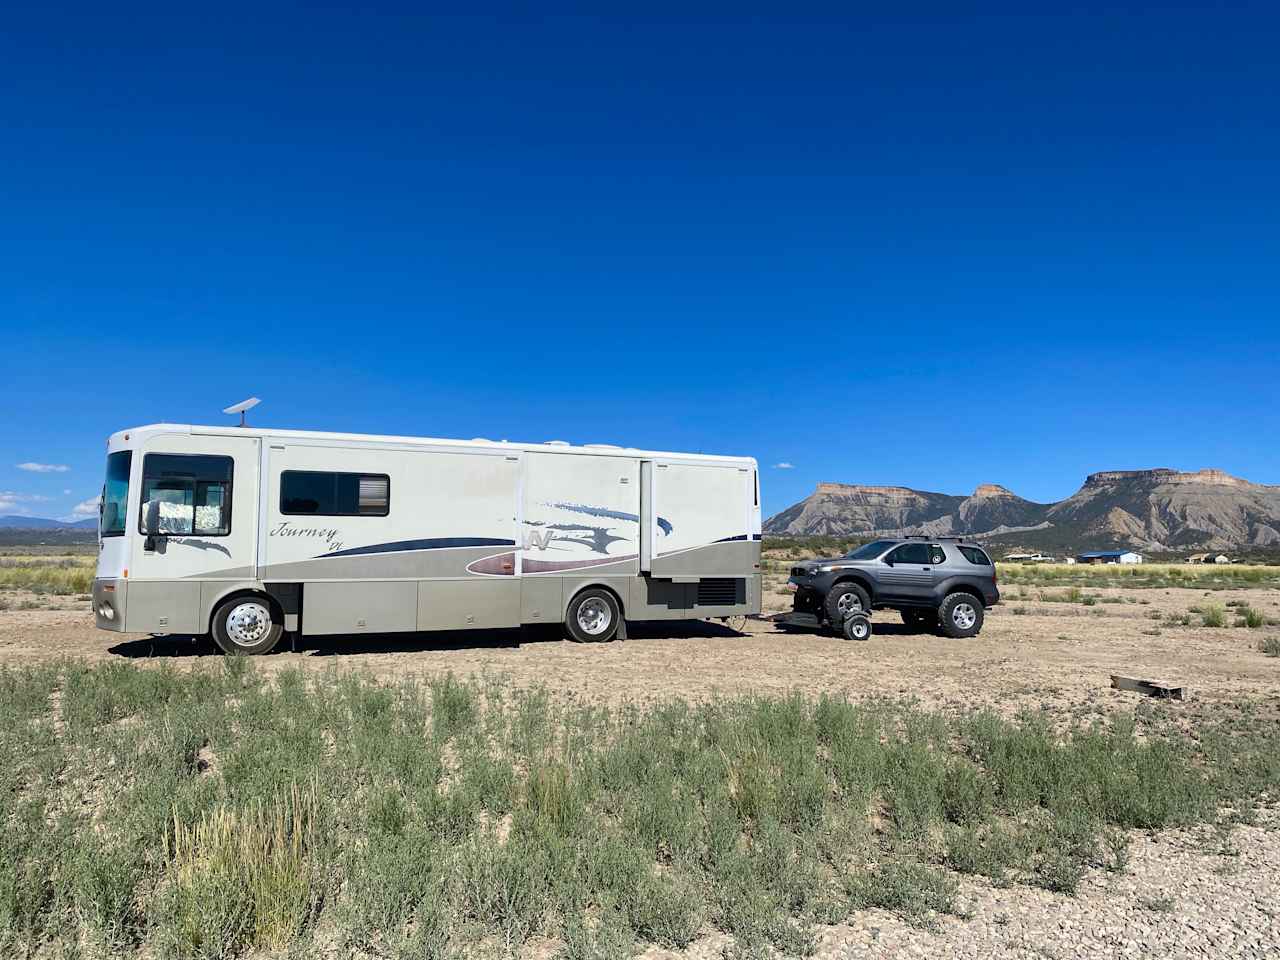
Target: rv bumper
(108,604)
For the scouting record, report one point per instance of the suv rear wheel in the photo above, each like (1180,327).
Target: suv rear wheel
(843,599)
(961,615)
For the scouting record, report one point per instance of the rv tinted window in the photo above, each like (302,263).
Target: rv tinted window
(186,495)
(312,493)
(974,555)
(115,494)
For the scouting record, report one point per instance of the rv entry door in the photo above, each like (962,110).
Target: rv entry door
(199,509)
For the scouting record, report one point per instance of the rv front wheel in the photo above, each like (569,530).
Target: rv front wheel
(246,625)
(593,617)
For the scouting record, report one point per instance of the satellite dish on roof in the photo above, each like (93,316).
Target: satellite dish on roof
(241,407)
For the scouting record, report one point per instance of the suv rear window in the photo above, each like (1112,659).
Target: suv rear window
(974,555)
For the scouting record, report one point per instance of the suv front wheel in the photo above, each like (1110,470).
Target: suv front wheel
(843,599)
(960,615)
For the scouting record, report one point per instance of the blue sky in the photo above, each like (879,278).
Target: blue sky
(915,245)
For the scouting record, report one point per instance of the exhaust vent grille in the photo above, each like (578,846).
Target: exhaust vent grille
(721,592)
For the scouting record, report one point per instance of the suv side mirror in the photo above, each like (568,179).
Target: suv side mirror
(888,560)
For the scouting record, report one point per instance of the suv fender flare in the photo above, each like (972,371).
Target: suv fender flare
(959,584)
(862,581)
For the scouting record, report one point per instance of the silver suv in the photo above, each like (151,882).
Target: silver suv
(939,583)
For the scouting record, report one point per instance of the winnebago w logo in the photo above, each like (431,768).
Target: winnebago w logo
(537,538)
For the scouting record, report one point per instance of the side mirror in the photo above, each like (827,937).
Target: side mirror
(888,561)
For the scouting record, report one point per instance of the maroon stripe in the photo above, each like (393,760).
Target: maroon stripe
(546,566)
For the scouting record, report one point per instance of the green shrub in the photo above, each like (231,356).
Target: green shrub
(1251,618)
(1213,615)
(453,816)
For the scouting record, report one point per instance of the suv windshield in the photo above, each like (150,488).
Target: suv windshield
(869,551)
(115,494)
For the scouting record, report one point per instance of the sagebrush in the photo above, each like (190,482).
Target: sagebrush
(219,812)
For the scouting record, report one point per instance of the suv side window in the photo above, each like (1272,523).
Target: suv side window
(974,555)
(911,553)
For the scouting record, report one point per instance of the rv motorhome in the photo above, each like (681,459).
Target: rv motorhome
(247,533)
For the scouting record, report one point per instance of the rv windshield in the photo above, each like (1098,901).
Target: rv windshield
(869,551)
(115,494)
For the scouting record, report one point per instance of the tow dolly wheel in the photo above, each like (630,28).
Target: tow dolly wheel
(857,626)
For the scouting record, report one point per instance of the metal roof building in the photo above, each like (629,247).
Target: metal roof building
(1110,556)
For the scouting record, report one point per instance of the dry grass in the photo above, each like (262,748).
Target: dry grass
(56,575)
(1139,574)
(242,877)
(474,818)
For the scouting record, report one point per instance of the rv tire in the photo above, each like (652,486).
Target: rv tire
(246,624)
(593,616)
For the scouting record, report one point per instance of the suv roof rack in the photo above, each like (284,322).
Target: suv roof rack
(921,536)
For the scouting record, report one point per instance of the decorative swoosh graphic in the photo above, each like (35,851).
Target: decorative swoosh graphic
(663,523)
(435,543)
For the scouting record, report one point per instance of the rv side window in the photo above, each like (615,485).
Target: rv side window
(185,495)
(316,494)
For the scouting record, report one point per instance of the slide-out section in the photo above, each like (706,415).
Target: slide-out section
(703,520)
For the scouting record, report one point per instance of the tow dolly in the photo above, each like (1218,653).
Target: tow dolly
(856,626)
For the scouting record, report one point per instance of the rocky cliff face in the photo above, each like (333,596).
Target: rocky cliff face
(836,508)
(1158,509)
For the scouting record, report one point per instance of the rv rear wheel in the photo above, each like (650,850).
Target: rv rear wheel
(246,625)
(593,616)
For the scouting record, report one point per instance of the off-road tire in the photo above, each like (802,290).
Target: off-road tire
(960,615)
(246,625)
(837,606)
(920,621)
(593,616)
(857,627)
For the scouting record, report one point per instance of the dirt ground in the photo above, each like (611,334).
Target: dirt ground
(1031,654)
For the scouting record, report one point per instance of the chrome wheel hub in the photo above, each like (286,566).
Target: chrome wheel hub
(248,623)
(594,616)
(849,603)
(964,616)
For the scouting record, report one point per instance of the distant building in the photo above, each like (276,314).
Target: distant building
(1070,560)
(1110,556)
(1028,558)
(1222,558)
(1199,558)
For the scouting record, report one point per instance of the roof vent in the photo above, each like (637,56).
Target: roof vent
(557,443)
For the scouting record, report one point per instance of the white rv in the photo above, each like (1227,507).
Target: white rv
(246,533)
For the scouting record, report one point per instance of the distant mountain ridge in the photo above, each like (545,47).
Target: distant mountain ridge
(1156,510)
(43,523)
